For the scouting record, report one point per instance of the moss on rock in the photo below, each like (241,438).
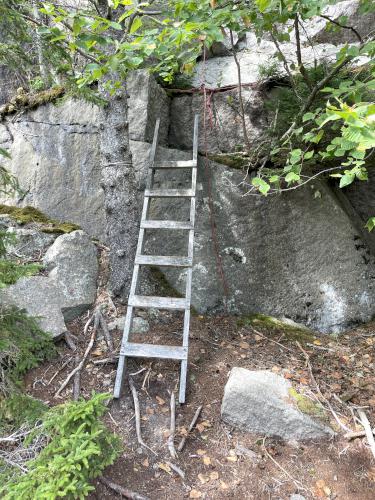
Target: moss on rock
(291,330)
(29,214)
(306,405)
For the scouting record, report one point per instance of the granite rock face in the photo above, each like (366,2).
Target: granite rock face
(260,402)
(55,155)
(281,256)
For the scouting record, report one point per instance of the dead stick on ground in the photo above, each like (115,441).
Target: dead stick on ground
(106,333)
(367,427)
(121,490)
(172,428)
(295,481)
(358,434)
(69,340)
(191,427)
(271,340)
(103,361)
(59,370)
(88,349)
(137,412)
(308,364)
(76,382)
(177,469)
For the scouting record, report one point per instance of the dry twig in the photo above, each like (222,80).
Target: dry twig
(106,333)
(368,430)
(76,381)
(172,428)
(191,427)
(137,415)
(177,469)
(308,364)
(121,490)
(88,349)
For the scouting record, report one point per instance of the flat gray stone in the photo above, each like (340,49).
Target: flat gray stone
(72,263)
(259,402)
(42,299)
(140,325)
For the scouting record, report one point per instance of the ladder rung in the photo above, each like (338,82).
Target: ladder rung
(158,302)
(153,351)
(166,224)
(175,164)
(164,260)
(169,193)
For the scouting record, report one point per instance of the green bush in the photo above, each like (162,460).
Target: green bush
(78,449)
(23,345)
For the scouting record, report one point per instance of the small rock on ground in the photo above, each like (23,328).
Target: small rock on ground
(260,402)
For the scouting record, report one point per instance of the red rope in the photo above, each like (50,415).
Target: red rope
(207,109)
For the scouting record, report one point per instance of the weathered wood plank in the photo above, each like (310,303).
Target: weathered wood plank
(175,164)
(144,301)
(166,224)
(163,260)
(132,349)
(169,193)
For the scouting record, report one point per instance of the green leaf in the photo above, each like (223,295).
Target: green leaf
(370,224)
(137,23)
(292,177)
(262,185)
(346,179)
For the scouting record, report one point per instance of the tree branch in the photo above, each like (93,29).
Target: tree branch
(351,28)
(301,67)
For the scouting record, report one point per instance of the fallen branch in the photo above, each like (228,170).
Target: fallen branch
(191,427)
(271,340)
(295,481)
(76,381)
(172,428)
(358,434)
(112,359)
(368,430)
(59,370)
(121,490)
(308,364)
(106,333)
(137,412)
(70,342)
(88,349)
(177,470)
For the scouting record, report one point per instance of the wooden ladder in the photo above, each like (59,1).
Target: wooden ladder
(131,349)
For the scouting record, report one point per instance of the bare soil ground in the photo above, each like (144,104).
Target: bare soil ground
(220,462)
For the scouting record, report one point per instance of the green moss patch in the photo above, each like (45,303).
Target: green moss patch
(11,271)
(306,405)
(24,100)
(28,214)
(269,323)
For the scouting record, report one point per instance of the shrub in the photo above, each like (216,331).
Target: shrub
(23,345)
(78,449)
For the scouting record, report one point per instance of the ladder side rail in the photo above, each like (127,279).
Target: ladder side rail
(189,274)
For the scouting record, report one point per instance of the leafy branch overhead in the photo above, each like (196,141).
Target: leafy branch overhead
(332,129)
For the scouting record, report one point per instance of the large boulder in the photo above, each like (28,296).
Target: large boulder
(68,290)
(280,255)
(41,298)
(261,402)
(72,264)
